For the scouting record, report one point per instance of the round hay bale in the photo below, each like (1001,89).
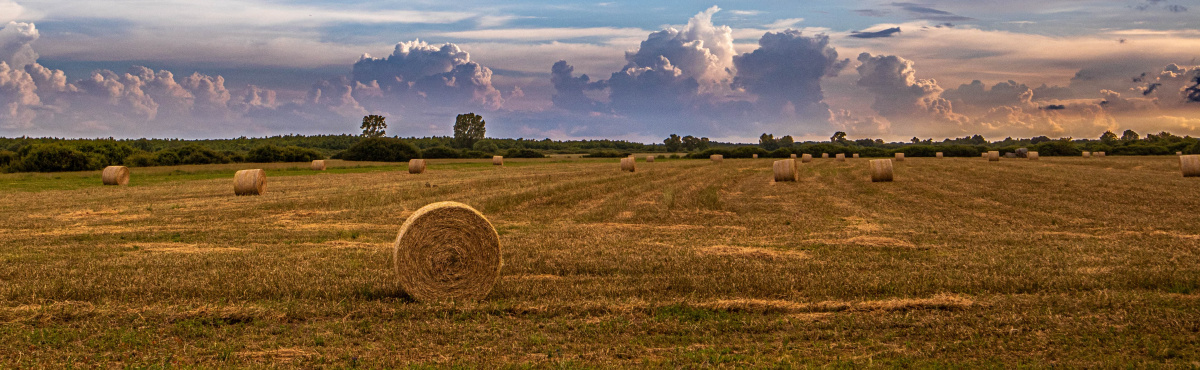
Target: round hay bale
(416,166)
(1087,154)
(318,165)
(649,159)
(794,156)
(840,157)
(1033,156)
(993,156)
(804,158)
(497,160)
(824,155)
(855,155)
(881,170)
(755,156)
(899,157)
(785,170)
(1190,165)
(115,175)
(249,182)
(628,164)
(1100,154)
(447,251)
(717,158)
(984,154)
(1178,153)
(938,154)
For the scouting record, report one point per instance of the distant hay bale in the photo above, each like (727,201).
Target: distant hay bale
(1087,154)
(755,156)
(794,155)
(317,165)
(785,170)
(416,166)
(841,157)
(1178,153)
(1022,152)
(1190,165)
(993,156)
(881,170)
(115,175)
(497,160)
(249,182)
(717,158)
(984,154)
(649,159)
(804,158)
(628,164)
(447,251)
(855,155)
(938,154)
(899,157)
(824,155)
(1033,156)
(1100,154)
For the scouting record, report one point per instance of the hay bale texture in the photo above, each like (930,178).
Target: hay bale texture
(938,154)
(881,170)
(1100,154)
(993,156)
(317,165)
(794,155)
(755,156)
(824,155)
(1087,154)
(840,157)
(855,155)
(717,158)
(649,159)
(899,157)
(447,251)
(1190,165)
(804,158)
(628,164)
(497,160)
(249,182)
(416,166)
(1033,156)
(785,170)
(115,175)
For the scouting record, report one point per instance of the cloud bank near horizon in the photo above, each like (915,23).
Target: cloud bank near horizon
(700,78)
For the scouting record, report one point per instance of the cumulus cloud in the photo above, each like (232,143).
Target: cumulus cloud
(901,96)
(700,51)
(419,72)
(570,91)
(975,97)
(18,97)
(786,71)
(15,40)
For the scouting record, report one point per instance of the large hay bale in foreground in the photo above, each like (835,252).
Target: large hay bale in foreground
(416,166)
(115,175)
(249,182)
(717,158)
(1033,156)
(1190,165)
(317,165)
(805,158)
(881,170)
(840,157)
(1087,154)
(785,170)
(899,157)
(824,155)
(993,156)
(649,159)
(628,164)
(447,251)
(938,154)
(497,160)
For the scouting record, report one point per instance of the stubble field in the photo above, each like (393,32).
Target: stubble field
(959,262)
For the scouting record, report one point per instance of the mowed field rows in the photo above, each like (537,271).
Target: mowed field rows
(960,261)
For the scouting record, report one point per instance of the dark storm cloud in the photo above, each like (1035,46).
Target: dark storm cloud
(788,68)
(875,34)
(1055,107)
(569,91)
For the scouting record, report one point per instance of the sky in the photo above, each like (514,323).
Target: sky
(632,70)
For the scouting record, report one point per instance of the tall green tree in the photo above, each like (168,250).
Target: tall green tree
(838,137)
(785,141)
(673,143)
(1130,135)
(1108,138)
(690,143)
(768,142)
(468,129)
(374,126)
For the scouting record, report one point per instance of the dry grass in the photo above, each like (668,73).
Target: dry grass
(1071,262)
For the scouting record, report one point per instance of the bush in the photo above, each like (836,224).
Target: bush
(1056,148)
(106,153)
(606,153)
(475,154)
(270,153)
(1141,149)
(381,149)
(523,153)
(7,157)
(52,158)
(781,153)
(439,152)
(748,152)
(486,146)
(947,150)
(189,154)
(141,160)
(233,156)
(708,153)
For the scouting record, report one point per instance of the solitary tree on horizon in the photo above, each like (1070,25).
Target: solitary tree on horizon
(468,129)
(374,126)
